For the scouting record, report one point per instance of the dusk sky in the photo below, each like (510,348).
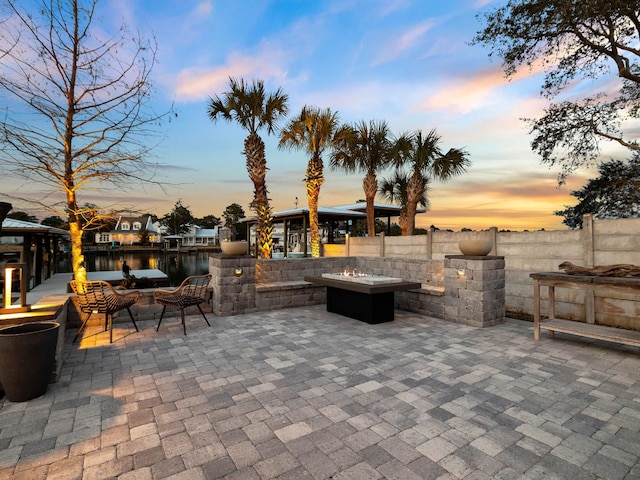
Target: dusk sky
(408,62)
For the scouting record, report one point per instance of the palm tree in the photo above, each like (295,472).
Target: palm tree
(366,147)
(427,160)
(395,189)
(253,109)
(313,130)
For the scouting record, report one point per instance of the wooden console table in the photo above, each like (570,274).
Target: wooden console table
(368,303)
(589,328)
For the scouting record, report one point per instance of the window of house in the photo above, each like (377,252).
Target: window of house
(125,226)
(104,238)
(137,225)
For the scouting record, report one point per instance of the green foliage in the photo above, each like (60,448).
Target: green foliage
(614,194)
(381,226)
(394,188)
(232,215)
(424,159)
(365,147)
(208,221)
(154,218)
(251,107)
(573,40)
(56,222)
(143,236)
(178,220)
(361,230)
(395,230)
(313,131)
(23,216)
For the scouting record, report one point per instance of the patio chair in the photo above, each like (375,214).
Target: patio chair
(100,297)
(191,292)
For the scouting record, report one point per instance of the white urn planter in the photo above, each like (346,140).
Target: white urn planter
(476,248)
(234,248)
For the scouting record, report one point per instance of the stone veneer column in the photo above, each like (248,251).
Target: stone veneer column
(233,294)
(474,290)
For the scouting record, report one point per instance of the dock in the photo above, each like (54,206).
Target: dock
(59,282)
(115,277)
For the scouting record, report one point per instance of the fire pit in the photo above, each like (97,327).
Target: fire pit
(369,298)
(358,277)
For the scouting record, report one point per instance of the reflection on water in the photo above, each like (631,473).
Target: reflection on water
(177,266)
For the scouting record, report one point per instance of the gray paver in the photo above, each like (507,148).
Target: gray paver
(305,394)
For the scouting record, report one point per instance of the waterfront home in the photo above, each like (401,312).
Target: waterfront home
(199,237)
(130,230)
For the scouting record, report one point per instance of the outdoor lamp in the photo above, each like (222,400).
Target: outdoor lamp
(238,271)
(460,273)
(9,268)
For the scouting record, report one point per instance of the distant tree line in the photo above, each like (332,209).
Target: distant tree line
(180,218)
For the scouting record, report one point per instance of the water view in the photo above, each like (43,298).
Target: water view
(177,266)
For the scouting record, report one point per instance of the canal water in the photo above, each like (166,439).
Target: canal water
(177,266)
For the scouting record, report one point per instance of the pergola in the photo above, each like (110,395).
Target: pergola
(39,246)
(327,215)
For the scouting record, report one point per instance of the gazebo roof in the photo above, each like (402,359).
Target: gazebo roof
(380,209)
(12,227)
(328,213)
(354,211)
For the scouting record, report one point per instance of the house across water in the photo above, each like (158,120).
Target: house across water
(130,231)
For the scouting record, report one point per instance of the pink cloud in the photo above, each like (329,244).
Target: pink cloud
(197,83)
(406,41)
(481,88)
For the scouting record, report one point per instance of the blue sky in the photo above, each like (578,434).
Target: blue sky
(408,62)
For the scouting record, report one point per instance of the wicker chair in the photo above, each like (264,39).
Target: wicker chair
(100,297)
(191,292)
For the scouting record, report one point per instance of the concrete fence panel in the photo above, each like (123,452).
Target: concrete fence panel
(599,242)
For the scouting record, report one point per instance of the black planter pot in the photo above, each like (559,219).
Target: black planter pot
(27,358)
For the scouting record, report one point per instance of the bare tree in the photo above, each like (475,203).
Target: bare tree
(76,116)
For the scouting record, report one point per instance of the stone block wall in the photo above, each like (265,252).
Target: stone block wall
(274,284)
(295,269)
(233,283)
(288,294)
(429,273)
(475,290)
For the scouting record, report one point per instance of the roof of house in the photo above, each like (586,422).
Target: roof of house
(144,220)
(202,232)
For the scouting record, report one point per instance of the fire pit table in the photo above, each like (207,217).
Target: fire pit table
(368,298)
